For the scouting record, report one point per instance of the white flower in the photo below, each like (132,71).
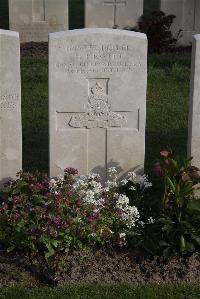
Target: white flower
(110,185)
(93,235)
(142,223)
(132,188)
(132,176)
(92,176)
(151,220)
(89,197)
(55,185)
(122,235)
(80,183)
(97,187)
(124,182)
(122,201)
(112,170)
(130,214)
(143,181)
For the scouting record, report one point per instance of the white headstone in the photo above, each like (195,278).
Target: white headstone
(35,19)
(187,19)
(194,111)
(113,13)
(10,105)
(97,93)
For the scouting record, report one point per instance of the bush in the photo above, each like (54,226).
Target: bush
(176,229)
(157,28)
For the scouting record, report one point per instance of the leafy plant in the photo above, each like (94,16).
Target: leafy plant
(180,215)
(157,28)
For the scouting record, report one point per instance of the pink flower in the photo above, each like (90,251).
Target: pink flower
(92,218)
(119,212)
(78,202)
(165,153)
(16,200)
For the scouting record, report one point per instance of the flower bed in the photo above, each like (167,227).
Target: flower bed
(49,219)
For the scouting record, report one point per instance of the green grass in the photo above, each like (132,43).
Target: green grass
(104,292)
(167,108)
(167,105)
(76,12)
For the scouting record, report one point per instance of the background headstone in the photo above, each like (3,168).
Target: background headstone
(97,91)
(10,105)
(194,111)
(35,19)
(113,13)
(187,19)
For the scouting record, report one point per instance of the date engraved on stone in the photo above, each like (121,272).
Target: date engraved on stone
(8,101)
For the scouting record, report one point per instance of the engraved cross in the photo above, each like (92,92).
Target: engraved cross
(115,4)
(39,10)
(95,121)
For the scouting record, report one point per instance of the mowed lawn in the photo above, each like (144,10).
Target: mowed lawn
(119,291)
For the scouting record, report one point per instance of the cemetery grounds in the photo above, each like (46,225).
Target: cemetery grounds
(167,114)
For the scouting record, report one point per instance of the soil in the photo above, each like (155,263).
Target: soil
(34,50)
(102,267)
(128,267)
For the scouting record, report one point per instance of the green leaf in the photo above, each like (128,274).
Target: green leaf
(194,205)
(54,243)
(196,239)
(166,221)
(171,184)
(11,248)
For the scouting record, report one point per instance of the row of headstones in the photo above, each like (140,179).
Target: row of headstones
(187,19)
(97,101)
(35,19)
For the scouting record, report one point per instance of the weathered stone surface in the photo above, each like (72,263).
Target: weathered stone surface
(194,111)
(113,13)
(187,14)
(97,100)
(35,19)
(10,105)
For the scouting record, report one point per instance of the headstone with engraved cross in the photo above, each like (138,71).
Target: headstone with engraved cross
(113,13)
(187,19)
(10,106)
(97,98)
(35,19)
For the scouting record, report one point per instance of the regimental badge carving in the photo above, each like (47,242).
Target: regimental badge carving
(99,114)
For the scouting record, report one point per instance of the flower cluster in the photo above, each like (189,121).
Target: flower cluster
(68,212)
(129,214)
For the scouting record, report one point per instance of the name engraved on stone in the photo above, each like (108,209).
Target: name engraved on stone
(83,59)
(9,101)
